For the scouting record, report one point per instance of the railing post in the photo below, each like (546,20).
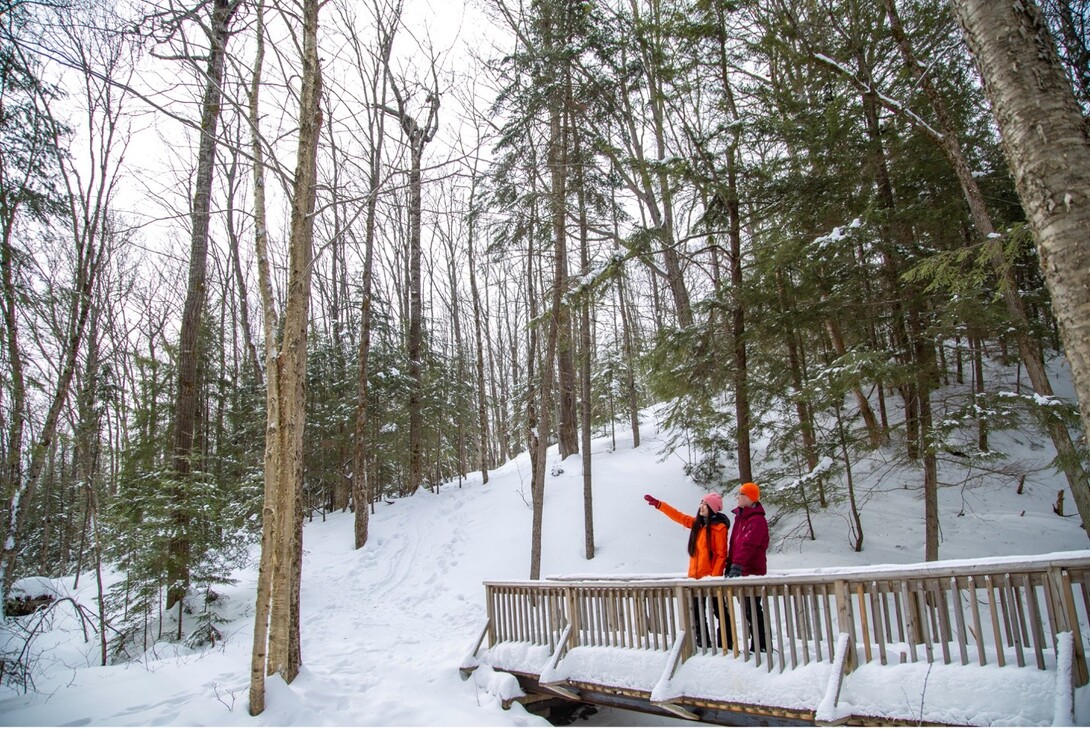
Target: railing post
(490,614)
(573,618)
(685,620)
(845,622)
(1067,619)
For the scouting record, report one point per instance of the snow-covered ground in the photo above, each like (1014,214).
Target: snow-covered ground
(385,628)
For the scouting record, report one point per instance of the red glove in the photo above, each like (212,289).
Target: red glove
(652,500)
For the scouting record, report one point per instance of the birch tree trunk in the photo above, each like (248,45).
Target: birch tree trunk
(1047,144)
(281,558)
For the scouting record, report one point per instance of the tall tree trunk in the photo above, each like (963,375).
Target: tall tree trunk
(281,558)
(627,325)
(240,282)
(475,298)
(740,373)
(738,322)
(585,349)
(556,36)
(186,399)
(537,405)
(362,492)
(1047,145)
(418,137)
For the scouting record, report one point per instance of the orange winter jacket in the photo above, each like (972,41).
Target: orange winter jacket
(703,563)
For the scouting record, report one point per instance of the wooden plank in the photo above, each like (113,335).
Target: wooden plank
(1081,676)
(490,614)
(571,597)
(863,622)
(1017,619)
(744,636)
(942,613)
(978,631)
(791,619)
(1005,610)
(815,619)
(888,594)
(1000,650)
(767,629)
(880,620)
(897,590)
(912,622)
(925,622)
(779,603)
(959,619)
(846,624)
(724,621)
(827,592)
(684,621)
(1036,634)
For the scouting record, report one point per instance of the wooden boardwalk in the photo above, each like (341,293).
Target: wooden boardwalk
(655,645)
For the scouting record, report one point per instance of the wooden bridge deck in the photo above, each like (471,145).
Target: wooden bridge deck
(846,646)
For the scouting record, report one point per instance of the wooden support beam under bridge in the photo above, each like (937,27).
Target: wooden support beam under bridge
(655,645)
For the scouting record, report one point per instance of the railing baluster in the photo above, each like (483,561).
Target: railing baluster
(959,619)
(815,621)
(656,617)
(877,614)
(1057,622)
(941,611)
(974,604)
(1000,649)
(1004,597)
(1015,617)
(828,592)
(508,625)
(887,593)
(791,618)
(804,619)
(779,606)
(769,653)
(912,619)
(1036,632)
(863,623)
(920,594)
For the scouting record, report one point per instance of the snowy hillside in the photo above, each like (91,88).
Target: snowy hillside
(384,628)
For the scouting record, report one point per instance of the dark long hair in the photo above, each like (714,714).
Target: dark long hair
(717,517)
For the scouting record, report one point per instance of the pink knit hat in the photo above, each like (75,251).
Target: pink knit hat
(714,501)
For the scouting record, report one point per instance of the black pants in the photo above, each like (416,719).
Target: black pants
(758,629)
(701,625)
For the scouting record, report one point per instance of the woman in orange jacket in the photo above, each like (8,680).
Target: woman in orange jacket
(708,542)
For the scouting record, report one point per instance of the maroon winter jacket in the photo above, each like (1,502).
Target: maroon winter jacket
(749,540)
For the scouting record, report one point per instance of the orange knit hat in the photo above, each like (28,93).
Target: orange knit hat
(752,490)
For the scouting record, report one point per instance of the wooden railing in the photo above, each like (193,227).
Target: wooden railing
(990,613)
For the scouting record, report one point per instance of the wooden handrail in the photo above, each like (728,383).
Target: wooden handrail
(985,612)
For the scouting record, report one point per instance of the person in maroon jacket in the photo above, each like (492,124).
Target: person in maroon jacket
(748,545)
